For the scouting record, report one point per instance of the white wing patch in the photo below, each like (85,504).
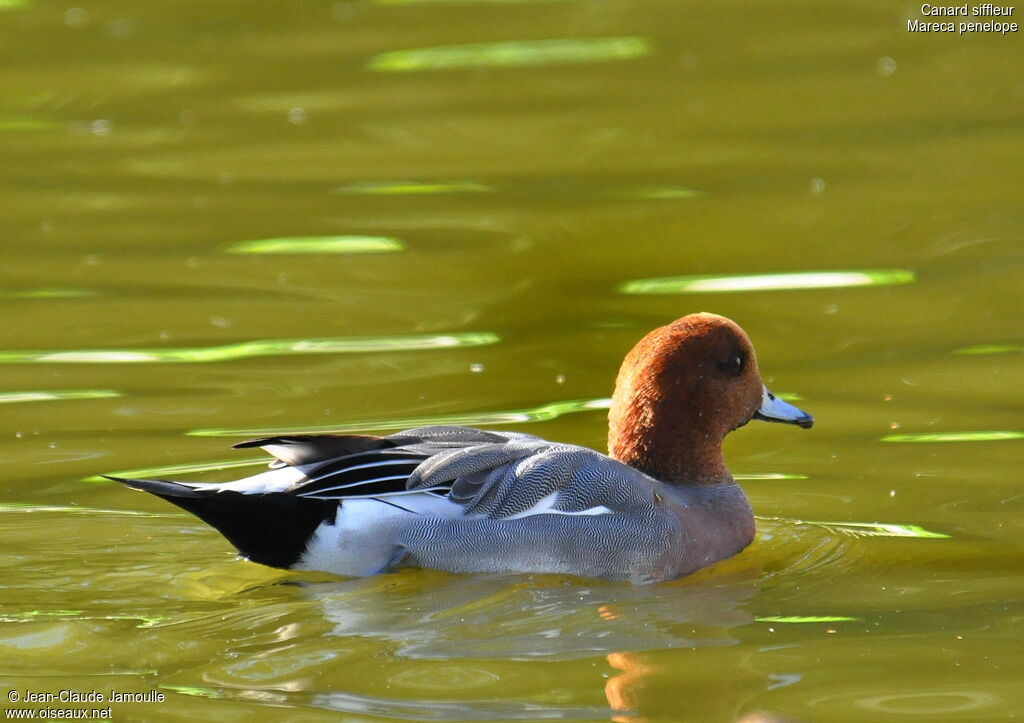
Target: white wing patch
(546,506)
(275,480)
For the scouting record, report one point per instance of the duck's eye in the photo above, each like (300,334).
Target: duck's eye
(733,366)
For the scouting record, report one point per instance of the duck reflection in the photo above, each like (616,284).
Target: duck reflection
(618,642)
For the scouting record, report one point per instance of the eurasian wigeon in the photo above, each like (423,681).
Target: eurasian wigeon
(659,506)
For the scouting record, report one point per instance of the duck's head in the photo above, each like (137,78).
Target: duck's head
(680,390)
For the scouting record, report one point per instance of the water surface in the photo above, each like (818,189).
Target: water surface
(226,219)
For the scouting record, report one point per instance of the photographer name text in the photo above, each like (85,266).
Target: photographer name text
(92,696)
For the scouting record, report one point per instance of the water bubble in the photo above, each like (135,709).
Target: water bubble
(885,66)
(297,116)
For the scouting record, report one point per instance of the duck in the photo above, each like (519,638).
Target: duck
(660,505)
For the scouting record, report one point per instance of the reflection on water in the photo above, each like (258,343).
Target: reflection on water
(768,282)
(249,349)
(543,413)
(512,53)
(544,188)
(438,618)
(318,245)
(444,647)
(440,2)
(28,508)
(866,529)
(434,709)
(937,437)
(52,293)
(801,619)
(172,470)
(991,349)
(532,617)
(26,122)
(57,395)
(412,188)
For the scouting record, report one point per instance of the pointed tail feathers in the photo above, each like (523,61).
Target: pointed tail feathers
(269,528)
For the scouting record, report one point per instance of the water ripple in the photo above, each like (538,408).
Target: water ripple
(318,245)
(938,437)
(57,395)
(710,284)
(250,349)
(512,53)
(543,413)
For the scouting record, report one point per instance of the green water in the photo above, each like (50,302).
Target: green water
(224,218)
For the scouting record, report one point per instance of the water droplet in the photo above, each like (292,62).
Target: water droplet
(817,186)
(297,116)
(885,66)
(476,368)
(101,127)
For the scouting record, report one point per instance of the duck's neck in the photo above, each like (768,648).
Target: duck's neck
(664,440)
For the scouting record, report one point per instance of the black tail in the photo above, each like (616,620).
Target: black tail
(271,529)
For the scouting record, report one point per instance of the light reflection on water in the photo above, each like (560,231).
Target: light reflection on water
(250,349)
(707,284)
(513,53)
(57,395)
(318,245)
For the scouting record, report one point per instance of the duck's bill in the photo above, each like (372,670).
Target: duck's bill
(773,409)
